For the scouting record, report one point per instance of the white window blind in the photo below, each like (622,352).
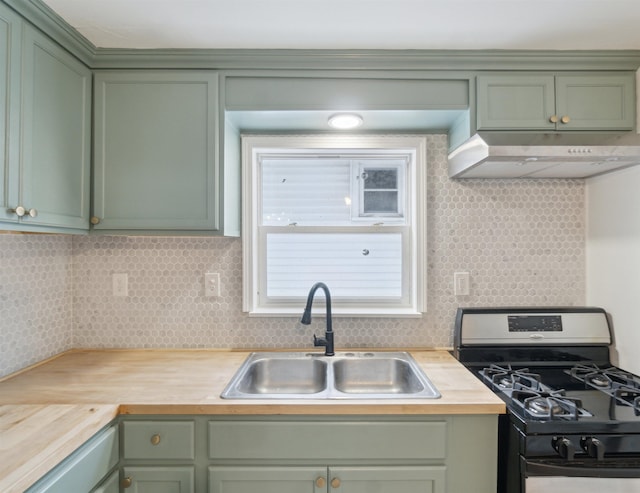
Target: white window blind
(355,266)
(309,191)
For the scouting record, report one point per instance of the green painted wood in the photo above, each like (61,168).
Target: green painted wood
(352,93)
(156,162)
(445,454)
(45,19)
(160,479)
(274,479)
(596,102)
(472,457)
(387,60)
(176,439)
(83,469)
(331,440)
(110,485)
(56,134)
(10,39)
(403,479)
(515,102)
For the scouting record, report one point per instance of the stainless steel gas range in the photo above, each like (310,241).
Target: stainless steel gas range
(573,419)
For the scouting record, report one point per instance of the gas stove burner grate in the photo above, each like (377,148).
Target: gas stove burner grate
(506,379)
(619,384)
(549,405)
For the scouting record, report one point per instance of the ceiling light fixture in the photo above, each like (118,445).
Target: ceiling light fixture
(345,121)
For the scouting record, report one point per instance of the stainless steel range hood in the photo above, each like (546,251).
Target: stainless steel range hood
(543,155)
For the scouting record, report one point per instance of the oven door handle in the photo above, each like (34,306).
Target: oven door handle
(596,469)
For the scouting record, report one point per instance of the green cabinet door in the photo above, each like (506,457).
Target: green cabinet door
(156,166)
(276,479)
(515,102)
(595,102)
(10,39)
(253,479)
(84,468)
(402,479)
(158,479)
(556,102)
(56,126)
(110,485)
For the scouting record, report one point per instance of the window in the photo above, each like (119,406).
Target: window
(344,210)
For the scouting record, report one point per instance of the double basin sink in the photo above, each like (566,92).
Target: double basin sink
(348,375)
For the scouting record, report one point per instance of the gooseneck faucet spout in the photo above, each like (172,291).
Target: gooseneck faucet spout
(327,340)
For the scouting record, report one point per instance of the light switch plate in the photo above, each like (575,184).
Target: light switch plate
(120,284)
(461,284)
(212,284)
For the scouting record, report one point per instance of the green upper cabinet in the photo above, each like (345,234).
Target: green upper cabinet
(603,101)
(155,156)
(10,38)
(56,130)
(46,123)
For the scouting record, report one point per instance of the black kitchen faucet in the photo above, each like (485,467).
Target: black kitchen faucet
(327,340)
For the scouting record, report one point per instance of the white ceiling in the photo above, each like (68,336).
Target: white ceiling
(357,24)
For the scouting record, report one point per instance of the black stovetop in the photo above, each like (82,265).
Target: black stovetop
(564,399)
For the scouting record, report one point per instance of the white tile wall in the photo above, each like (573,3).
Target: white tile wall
(36,291)
(521,240)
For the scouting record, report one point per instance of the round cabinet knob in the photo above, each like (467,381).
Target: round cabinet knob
(95,220)
(553,119)
(18,211)
(32,213)
(565,119)
(321,482)
(335,483)
(127,482)
(155,439)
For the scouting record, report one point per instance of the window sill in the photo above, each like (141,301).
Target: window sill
(338,312)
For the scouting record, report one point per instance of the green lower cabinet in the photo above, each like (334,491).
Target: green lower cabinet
(110,485)
(409,479)
(308,454)
(85,468)
(158,479)
(239,479)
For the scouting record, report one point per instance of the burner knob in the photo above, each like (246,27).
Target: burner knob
(593,447)
(564,447)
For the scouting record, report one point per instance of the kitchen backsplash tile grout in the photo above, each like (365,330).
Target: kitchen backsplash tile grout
(523,242)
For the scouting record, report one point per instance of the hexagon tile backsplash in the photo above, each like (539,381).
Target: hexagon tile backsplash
(522,241)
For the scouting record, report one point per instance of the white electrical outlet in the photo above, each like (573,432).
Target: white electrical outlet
(212,285)
(120,284)
(461,284)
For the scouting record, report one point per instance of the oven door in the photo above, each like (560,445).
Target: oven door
(608,476)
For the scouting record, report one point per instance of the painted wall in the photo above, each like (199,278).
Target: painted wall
(521,240)
(613,258)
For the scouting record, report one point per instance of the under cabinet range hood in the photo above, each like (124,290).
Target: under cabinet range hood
(543,155)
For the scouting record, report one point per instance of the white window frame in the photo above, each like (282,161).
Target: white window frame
(254,147)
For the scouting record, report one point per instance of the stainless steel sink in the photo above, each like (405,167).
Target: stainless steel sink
(376,375)
(284,376)
(348,375)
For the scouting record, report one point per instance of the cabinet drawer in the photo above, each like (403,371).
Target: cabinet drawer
(327,440)
(158,439)
(159,479)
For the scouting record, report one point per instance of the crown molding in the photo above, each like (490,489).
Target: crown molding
(367,59)
(45,19)
(42,17)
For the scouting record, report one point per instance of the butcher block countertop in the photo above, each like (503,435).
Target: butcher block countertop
(52,408)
